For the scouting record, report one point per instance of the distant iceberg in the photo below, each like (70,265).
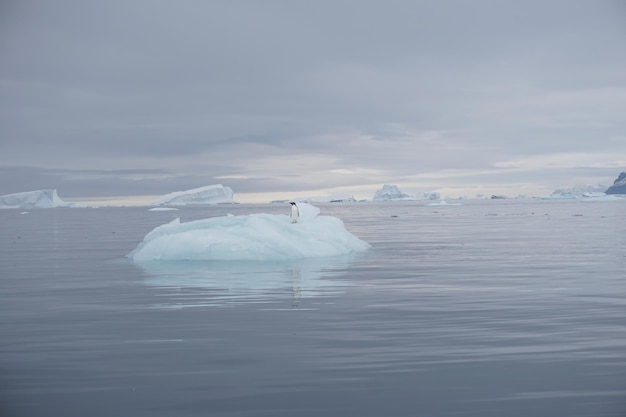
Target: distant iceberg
(428,196)
(576,192)
(254,237)
(391,192)
(555,197)
(34,199)
(579,191)
(333,198)
(211,194)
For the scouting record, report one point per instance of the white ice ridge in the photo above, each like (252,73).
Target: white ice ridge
(34,199)
(253,237)
(211,194)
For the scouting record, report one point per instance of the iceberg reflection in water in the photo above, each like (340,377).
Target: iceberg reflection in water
(220,283)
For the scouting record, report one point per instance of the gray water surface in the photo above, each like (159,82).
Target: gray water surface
(491,308)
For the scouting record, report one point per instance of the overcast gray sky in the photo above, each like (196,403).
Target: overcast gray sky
(109,98)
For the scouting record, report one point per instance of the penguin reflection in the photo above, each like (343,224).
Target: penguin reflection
(295,286)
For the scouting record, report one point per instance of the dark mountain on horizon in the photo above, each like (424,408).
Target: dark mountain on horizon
(619,186)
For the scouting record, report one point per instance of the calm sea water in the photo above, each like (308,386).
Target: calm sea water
(491,308)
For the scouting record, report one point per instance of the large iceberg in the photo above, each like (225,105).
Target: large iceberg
(211,194)
(34,199)
(254,237)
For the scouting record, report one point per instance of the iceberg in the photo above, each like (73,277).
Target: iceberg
(391,192)
(211,194)
(332,198)
(253,237)
(34,199)
(579,191)
(341,198)
(586,192)
(428,196)
(555,197)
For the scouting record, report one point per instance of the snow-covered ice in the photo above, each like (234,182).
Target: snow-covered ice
(34,199)
(254,237)
(211,194)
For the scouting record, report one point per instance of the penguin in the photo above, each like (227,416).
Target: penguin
(295,213)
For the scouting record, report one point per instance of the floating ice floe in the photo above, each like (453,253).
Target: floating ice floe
(163,209)
(253,237)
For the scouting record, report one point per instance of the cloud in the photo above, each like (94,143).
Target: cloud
(564,161)
(278,96)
